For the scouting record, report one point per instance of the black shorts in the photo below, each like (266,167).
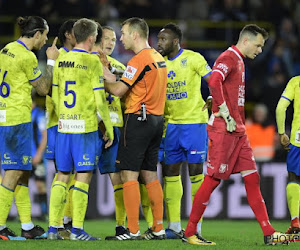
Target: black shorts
(139,143)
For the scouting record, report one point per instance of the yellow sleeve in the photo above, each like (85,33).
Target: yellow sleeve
(280,114)
(55,83)
(101,104)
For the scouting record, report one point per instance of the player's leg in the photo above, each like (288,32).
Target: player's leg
(196,145)
(196,178)
(173,190)
(64,165)
(293,187)
(85,159)
(15,151)
(146,207)
(149,175)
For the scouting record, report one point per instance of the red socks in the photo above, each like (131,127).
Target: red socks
(200,203)
(257,202)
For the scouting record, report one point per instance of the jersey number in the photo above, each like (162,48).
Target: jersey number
(6,85)
(72,92)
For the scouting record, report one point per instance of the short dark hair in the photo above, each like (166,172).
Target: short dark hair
(29,25)
(175,29)
(99,35)
(106,27)
(139,25)
(254,29)
(67,26)
(83,28)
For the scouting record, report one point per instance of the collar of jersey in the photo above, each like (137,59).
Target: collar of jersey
(236,50)
(65,49)
(20,42)
(179,53)
(80,50)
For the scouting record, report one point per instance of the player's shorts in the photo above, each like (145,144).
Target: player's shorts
(139,143)
(186,142)
(228,155)
(80,151)
(161,152)
(293,160)
(51,137)
(107,160)
(15,147)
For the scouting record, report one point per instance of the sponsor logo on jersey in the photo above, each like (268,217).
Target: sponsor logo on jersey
(71,126)
(176,96)
(208,67)
(66,64)
(129,72)
(222,67)
(171,74)
(6,52)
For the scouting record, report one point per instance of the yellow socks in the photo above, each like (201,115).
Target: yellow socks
(172,195)
(293,198)
(146,205)
(57,200)
(119,202)
(68,207)
(6,199)
(23,204)
(80,202)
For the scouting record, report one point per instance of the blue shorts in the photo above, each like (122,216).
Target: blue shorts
(15,147)
(76,150)
(51,137)
(107,159)
(293,160)
(161,153)
(186,142)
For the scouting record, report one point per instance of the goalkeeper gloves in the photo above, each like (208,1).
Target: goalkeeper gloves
(224,113)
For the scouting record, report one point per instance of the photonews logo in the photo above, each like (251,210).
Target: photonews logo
(171,74)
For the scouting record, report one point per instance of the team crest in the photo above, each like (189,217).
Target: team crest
(25,160)
(184,63)
(223,168)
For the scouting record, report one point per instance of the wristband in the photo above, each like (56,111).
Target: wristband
(51,62)
(209,97)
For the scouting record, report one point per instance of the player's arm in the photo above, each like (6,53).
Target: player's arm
(101,104)
(216,81)
(43,84)
(280,120)
(117,88)
(41,148)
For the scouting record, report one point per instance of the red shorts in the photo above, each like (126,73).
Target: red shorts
(228,155)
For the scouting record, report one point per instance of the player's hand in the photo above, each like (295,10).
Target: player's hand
(103,58)
(285,141)
(208,104)
(108,143)
(224,113)
(52,52)
(108,76)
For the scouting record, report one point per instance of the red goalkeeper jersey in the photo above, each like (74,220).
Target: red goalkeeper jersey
(227,83)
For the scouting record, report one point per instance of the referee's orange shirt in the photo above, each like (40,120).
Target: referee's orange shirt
(146,76)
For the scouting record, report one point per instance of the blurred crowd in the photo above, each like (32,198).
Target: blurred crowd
(266,77)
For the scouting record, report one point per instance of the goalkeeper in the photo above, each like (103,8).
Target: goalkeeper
(230,150)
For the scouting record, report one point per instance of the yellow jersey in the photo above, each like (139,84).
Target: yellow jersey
(184,101)
(18,67)
(78,93)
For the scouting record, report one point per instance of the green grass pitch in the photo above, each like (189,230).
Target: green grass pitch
(228,234)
